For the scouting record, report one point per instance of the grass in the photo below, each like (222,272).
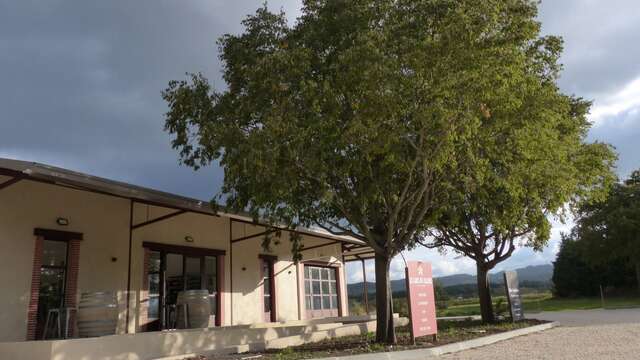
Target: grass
(544,302)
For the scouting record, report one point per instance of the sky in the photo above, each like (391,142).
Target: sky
(80,85)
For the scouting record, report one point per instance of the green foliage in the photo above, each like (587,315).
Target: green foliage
(378,118)
(610,229)
(571,274)
(501,308)
(526,160)
(574,275)
(604,246)
(287,354)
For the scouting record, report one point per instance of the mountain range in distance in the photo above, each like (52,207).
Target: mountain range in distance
(534,273)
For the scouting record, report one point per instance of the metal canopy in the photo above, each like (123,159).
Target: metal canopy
(19,170)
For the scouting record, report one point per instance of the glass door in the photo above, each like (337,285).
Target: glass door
(169,273)
(174,282)
(53,273)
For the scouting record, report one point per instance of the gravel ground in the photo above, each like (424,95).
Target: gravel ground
(612,341)
(590,317)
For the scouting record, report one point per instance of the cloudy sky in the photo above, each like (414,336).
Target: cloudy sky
(80,85)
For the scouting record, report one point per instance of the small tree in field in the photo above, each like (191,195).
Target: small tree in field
(352,118)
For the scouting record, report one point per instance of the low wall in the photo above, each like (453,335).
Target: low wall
(153,344)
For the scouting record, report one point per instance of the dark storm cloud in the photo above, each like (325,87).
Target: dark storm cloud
(80,81)
(623,132)
(602,43)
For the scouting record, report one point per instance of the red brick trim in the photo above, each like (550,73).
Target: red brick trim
(32,312)
(144,298)
(71,290)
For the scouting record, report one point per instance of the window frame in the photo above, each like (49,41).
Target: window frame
(335,301)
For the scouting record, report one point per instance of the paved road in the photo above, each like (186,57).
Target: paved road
(584,334)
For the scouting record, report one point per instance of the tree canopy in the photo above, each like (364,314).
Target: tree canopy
(367,117)
(528,158)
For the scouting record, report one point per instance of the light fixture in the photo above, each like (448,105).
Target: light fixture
(188,239)
(62,221)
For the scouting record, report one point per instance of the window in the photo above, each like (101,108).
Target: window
(320,288)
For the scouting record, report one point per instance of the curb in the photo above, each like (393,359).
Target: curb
(446,349)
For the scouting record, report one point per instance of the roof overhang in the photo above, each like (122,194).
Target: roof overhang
(19,169)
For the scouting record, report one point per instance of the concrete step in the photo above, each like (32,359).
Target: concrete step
(350,329)
(344,330)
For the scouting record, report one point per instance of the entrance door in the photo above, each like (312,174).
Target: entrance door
(53,273)
(169,273)
(268,290)
(174,282)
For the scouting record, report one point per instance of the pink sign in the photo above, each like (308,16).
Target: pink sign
(421,298)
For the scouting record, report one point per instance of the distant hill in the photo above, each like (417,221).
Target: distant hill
(536,273)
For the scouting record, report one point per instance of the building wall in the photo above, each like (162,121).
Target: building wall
(27,205)
(104,222)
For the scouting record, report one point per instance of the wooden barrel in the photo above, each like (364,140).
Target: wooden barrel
(198,309)
(97,314)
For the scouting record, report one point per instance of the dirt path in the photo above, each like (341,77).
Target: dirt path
(590,317)
(612,341)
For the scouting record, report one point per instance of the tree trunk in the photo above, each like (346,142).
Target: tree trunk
(385,331)
(484,294)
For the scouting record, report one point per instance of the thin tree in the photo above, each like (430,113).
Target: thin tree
(351,118)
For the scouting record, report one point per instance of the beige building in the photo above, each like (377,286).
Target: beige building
(63,234)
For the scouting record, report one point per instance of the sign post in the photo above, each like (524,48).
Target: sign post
(421,299)
(513,295)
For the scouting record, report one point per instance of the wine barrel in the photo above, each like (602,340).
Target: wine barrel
(97,314)
(198,309)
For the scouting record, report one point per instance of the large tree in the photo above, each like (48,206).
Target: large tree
(527,160)
(610,229)
(351,118)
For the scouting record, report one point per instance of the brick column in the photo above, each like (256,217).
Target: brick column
(71,290)
(32,312)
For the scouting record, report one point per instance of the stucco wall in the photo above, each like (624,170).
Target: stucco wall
(104,222)
(26,205)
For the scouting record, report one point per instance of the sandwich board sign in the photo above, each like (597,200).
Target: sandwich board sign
(513,295)
(422,304)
